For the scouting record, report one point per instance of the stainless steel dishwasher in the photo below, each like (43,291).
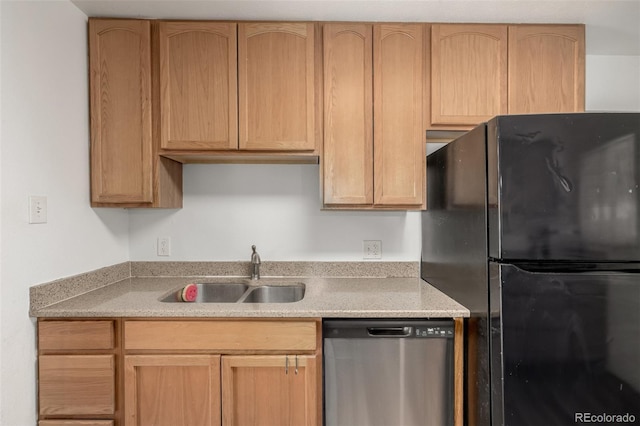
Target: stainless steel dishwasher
(388,372)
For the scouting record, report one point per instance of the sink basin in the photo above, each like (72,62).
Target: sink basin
(275,294)
(240,292)
(214,293)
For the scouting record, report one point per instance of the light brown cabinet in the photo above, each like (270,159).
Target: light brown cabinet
(373,131)
(468,73)
(172,390)
(268,87)
(276,69)
(234,372)
(482,70)
(76,423)
(77,366)
(179,372)
(348,109)
(546,68)
(358,95)
(198,80)
(126,170)
(269,390)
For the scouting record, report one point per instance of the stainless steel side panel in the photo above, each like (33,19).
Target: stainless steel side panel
(388,381)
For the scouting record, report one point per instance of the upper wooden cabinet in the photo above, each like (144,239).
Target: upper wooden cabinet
(276,70)
(198,81)
(373,128)
(120,79)
(546,68)
(398,130)
(126,170)
(468,73)
(482,70)
(358,95)
(348,109)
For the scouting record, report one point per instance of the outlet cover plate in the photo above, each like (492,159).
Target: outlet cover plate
(164,246)
(37,209)
(372,249)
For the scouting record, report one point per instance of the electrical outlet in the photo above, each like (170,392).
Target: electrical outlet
(372,249)
(164,246)
(37,209)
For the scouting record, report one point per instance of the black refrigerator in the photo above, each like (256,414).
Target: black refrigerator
(533,223)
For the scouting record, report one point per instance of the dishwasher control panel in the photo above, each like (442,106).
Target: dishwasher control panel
(434,331)
(388,329)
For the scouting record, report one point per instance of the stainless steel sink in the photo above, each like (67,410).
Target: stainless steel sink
(242,293)
(274,294)
(213,293)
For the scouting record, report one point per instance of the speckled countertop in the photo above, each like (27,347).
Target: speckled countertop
(379,297)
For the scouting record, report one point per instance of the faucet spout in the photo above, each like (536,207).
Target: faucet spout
(255,264)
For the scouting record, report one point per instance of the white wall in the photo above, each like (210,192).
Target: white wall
(227,208)
(1,407)
(44,145)
(613,83)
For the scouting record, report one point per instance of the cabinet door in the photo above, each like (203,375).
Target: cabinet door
(269,390)
(76,385)
(61,422)
(120,87)
(172,390)
(546,68)
(348,111)
(468,73)
(276,85)
(198,80)
(399,140)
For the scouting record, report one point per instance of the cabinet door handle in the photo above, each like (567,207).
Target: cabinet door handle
(286,364)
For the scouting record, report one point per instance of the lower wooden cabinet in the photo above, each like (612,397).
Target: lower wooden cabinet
(76,423)
(77,384)
(209,390)
(247,372)
(77,373)
(270,390)
(172,390)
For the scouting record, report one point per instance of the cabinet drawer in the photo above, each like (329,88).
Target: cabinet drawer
(73,335)
(220,335)
(76,384)
(75,423)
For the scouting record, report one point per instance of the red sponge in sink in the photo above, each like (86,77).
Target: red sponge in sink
(189,293)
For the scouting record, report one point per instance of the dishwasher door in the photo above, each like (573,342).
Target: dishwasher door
(388,372)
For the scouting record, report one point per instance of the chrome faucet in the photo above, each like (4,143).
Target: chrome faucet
(255,264)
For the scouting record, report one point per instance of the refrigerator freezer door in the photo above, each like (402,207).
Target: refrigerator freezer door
(564,187)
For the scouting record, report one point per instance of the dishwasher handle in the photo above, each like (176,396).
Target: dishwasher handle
(389,331)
